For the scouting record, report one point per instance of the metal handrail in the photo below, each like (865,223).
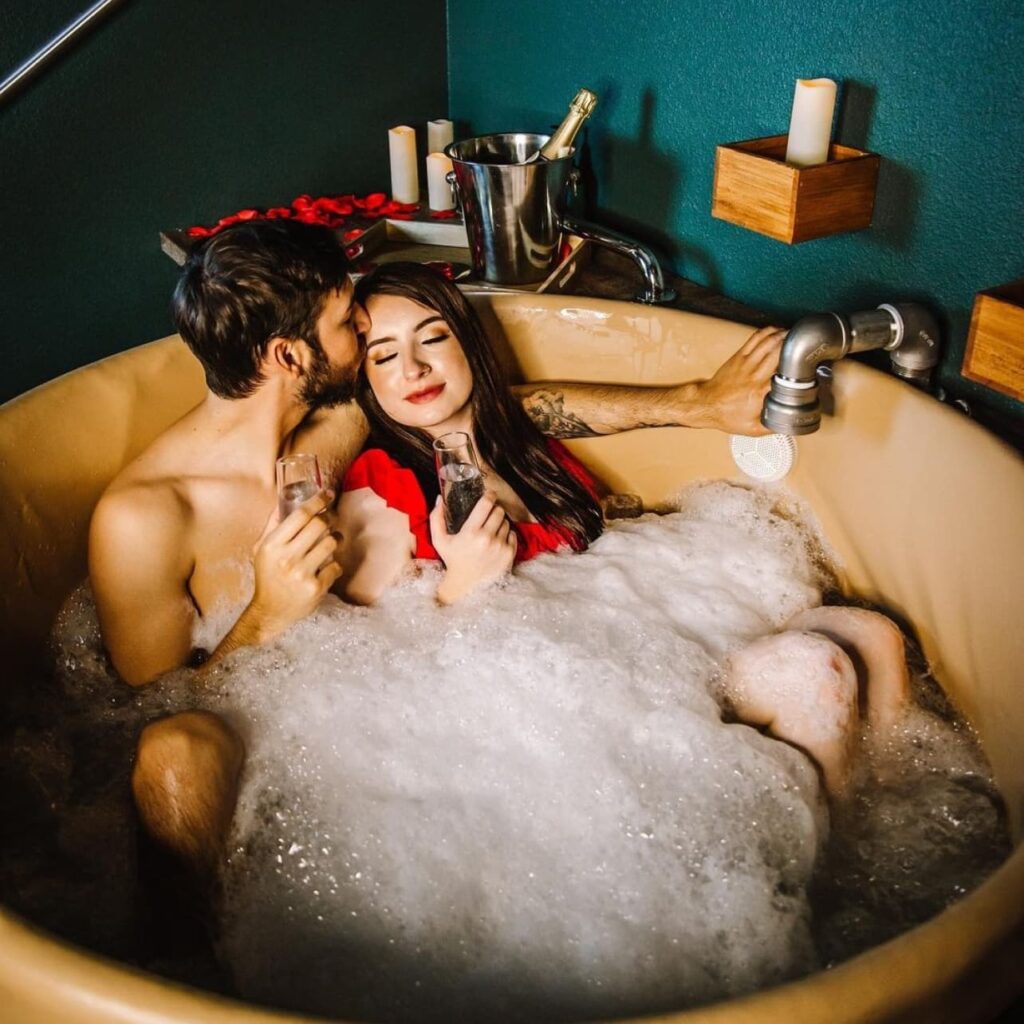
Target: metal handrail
(58,43)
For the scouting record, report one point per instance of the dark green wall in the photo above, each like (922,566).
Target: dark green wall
(170,114)
(937,88)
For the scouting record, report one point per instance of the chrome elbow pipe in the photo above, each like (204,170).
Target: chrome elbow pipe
(654,291)
(907,331)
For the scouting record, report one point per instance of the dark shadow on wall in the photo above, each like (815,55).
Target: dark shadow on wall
(896,202)
(633,187)
(896,198)
(856,109)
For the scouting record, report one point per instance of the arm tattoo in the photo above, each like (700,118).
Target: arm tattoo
(548,412)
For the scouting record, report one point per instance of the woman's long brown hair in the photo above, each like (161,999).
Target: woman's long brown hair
(506,437)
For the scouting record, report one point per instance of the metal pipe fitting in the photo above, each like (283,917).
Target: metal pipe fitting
(917,352)
(654,291)
(907,331)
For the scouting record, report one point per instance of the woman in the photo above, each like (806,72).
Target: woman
(429,370)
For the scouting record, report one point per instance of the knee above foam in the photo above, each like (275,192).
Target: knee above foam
(791,677)
(185,784)
(190,753)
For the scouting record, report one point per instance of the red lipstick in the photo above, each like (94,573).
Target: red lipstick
(424,396)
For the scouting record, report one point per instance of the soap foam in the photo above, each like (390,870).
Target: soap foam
(527,806)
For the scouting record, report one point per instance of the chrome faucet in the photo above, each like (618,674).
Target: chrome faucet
(654,291)
(907,331)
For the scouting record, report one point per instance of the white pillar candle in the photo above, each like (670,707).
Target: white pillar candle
(405,180)
(439,134)
(439,192)
(810,127)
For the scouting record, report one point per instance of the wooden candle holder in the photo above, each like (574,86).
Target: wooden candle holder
(995,342)
(755,188)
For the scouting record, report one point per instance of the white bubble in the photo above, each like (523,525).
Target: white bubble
(527,806)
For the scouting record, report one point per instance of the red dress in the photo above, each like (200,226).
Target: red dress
(398,486)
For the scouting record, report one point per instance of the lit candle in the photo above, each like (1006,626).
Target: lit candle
(405,180)
(810,127)
(439,192)
(439,134)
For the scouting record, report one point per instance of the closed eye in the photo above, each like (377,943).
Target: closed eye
(435,339)
(378,360)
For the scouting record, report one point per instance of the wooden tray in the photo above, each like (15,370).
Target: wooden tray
(422,239)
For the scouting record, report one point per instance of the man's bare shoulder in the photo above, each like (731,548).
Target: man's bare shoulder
(335,434)
(138,516)
(150,499)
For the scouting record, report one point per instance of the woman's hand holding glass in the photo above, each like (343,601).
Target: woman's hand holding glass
(480,553)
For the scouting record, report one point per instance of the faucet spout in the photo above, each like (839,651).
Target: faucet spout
(654,291)
(907,331)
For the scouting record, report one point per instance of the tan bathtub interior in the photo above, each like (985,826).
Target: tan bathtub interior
(924,509)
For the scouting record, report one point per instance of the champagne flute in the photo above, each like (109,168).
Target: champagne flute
(298,479)
(462,483)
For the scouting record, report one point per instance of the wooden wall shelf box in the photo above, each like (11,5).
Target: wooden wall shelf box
(755,188)
(995,342)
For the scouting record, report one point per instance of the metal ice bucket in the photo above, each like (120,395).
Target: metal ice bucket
(512,209)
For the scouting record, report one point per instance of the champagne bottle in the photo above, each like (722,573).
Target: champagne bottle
(561,141)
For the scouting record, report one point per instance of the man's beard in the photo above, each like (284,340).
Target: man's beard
(326,386)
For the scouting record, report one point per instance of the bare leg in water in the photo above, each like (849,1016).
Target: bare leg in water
(185,783)
(806,685)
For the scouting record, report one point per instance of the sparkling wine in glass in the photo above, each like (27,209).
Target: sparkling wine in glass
(462,483)
(298,479)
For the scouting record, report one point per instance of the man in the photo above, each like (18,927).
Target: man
(187,531)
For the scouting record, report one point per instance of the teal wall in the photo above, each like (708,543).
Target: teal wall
(175,113)
(170,114)
(936,88)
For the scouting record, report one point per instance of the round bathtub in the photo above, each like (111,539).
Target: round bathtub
(923,507)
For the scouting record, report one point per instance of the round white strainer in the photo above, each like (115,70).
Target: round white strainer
(764,458)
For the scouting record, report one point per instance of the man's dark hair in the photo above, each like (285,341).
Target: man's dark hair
(249,283)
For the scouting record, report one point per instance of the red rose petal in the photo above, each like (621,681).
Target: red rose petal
(333,205)
(371,202)
(199,231)
(351,235)
(442,267)
(443,214)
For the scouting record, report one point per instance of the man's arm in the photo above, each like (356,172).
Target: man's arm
(139,563)
(730,400)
